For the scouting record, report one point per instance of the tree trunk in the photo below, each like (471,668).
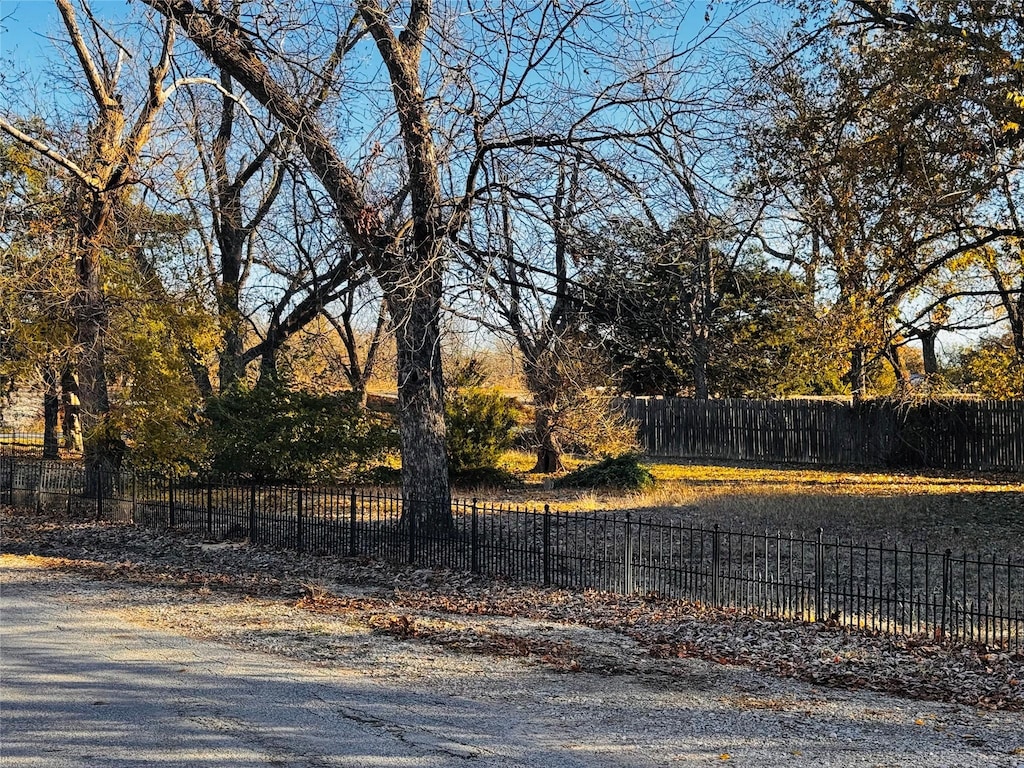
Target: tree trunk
(421,407)
(549,452)
(268,367)
(858,373)
(928,337)
(51,409)
(71,423)
(1015,316)
(541,373)
(231,368)
(895,358)
(700,352)
(200,373)
(102,448)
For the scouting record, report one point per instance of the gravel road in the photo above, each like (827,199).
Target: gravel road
(84,685)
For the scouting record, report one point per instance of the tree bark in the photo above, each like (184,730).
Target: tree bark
(51,409)
(71,422)
(858,373)
(541,373)
(102,448)
(549,452)
(929,337)
(230,366)
(895,357)
(700,353)
(421,406)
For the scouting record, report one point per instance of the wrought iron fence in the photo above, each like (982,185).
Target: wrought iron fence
(906,591)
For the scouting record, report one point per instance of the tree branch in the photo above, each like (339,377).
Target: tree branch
(92,182)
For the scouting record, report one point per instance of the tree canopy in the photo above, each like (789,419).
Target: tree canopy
(717,201)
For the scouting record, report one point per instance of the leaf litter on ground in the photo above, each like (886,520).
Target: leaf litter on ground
(589,631)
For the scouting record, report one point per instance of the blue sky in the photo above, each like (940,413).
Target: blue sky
(24,25)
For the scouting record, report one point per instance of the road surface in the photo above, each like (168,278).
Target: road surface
(81,690)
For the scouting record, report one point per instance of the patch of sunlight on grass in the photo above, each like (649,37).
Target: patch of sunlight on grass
(518,461)
(965,511)
(787,480)
(524,461)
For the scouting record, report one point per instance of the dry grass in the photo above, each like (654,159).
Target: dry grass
(972,511)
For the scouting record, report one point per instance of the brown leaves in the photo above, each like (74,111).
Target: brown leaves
(572,631)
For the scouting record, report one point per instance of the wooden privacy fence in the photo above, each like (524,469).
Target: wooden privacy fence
(883,587)
(943,434)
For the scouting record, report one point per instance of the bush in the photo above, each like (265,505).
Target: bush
(481,422)
(624,473)
(485,477)
(380,475)
(276,434)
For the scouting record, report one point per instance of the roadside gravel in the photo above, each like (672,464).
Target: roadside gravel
(606,679)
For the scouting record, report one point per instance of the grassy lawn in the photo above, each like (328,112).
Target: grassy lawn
(964,511)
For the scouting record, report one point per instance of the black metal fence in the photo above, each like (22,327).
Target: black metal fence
(908,591)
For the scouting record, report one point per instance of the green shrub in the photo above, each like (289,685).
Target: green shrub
(481,422)
(276,434)
(380,475)
(623,472)
(485,477)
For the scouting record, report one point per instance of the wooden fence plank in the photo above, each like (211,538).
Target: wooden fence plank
(943,434)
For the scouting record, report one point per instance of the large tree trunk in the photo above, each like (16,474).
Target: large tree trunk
(231,367)
(700,353)
(421,407)
(102,447)
(51,409)
(71,423)
(549,452)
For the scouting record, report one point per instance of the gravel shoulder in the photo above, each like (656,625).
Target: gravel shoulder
(493,674)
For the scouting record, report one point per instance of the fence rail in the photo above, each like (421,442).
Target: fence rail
(906,591)
(939,434)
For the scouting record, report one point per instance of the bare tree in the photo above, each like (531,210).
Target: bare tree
(498,80)
(250,231)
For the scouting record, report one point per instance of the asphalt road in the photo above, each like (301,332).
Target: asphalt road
(80,689)
(77,691)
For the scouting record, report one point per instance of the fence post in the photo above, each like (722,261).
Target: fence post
(99,492)
(627,586)
(819,577)
(410,511)
(209,504)
(474,556)
(352,549)
(298,522)
(170,501)
(947,567)
(547,545)
(252,512)
(135,499)
(39,489)
(716,566)
(10,480)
